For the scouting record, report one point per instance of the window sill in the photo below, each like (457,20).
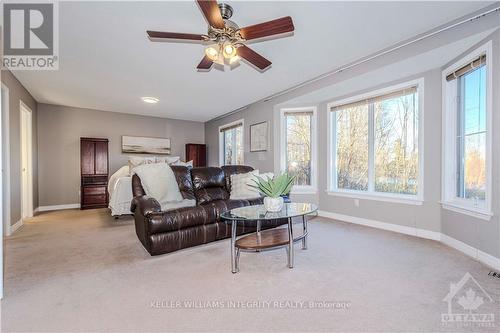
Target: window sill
(377,197)
(470,211)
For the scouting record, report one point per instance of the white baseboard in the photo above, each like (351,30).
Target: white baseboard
(471,251)
(412,231)
(56,207)
(13,228)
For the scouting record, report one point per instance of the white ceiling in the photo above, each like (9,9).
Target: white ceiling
(107,63)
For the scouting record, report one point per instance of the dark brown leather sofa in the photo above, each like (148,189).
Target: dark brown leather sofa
(163,232)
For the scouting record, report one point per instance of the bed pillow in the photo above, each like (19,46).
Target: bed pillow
(186,164)
(158,181)
(167,159)
(135,161)
(240,186)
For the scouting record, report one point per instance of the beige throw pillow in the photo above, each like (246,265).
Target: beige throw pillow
(158,181)
(240,186)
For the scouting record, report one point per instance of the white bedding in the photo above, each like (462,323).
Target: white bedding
(120,192)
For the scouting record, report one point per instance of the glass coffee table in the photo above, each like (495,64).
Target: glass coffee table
(270,238)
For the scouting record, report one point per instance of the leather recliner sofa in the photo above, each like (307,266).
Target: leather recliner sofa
(164,232)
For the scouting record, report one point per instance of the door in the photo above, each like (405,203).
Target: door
(26,162)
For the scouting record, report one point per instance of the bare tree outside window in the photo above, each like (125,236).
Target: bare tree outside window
(396,145)
(352,148)
(377,144)
(233,145)
(298,146)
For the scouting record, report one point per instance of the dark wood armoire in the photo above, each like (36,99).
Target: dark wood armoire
(94,166)
(197,153)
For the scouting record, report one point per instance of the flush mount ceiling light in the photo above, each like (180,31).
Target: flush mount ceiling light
(226,41)
(150,100)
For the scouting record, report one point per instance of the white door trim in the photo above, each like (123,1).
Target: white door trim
(29,163)
(1,191)
(6,218)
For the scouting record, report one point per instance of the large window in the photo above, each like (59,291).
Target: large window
(298,146)
(231,143)
(466,175)
(375,143)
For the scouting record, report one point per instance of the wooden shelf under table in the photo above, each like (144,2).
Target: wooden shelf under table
(269,238)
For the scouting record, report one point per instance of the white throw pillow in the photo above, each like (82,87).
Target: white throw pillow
(240,186)
(158,181)
(267,175)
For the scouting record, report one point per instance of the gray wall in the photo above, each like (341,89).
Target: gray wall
(423,59)
(481,234)
(61,127)
(18,93)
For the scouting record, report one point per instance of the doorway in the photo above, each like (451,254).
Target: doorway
(26,162)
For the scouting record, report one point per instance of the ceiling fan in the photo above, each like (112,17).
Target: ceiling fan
(226,40)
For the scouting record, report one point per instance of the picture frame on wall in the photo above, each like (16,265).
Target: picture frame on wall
(259,133)
(145,145)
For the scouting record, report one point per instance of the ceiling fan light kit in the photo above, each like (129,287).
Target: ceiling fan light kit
(225,39)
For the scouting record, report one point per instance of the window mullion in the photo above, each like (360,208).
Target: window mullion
(371,147)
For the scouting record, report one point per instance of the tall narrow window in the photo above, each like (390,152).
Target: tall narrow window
(471,135)
(376,143)
(352,147)
(467,135)
(298,148)
(396,143)
(231,138)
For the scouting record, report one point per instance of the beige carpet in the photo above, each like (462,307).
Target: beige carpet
(84,271)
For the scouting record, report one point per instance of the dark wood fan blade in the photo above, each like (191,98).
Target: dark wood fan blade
(253,57)
(205,63)
(212,13)
(274,27)
(174,35)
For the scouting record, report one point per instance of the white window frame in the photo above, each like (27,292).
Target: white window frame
(221,139)
(449,200)
(332,189)
(301,189)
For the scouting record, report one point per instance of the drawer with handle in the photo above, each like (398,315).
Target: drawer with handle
(94,199)
(94,190)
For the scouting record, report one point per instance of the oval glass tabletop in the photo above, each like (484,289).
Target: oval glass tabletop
(259,212)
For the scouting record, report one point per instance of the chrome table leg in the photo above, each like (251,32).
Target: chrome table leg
(237,260)
(290,243)
(234,263)
(304,226)
(259,226)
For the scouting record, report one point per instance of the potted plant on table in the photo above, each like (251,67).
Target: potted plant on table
(273,189)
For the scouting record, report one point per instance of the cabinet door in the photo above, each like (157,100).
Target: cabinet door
(101,158)
(191,153)
(87,157)
(202,156)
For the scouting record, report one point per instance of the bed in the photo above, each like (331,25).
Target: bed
(120,192)
(120,185)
